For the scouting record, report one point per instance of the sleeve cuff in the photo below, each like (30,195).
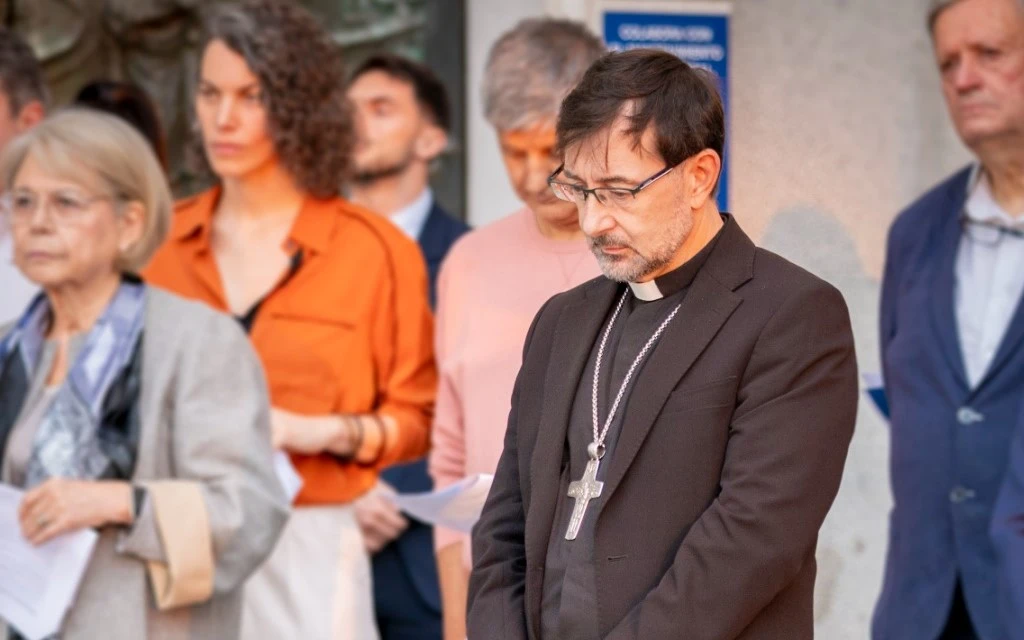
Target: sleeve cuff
(142,539)
(186,576)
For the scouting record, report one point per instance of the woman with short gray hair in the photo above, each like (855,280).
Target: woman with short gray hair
(123,407)
(496,278)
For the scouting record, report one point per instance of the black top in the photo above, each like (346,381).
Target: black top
(248,318)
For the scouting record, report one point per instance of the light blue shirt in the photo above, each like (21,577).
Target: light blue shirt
(414,216)
(989,277)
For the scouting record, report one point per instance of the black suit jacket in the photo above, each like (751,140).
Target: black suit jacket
(726,465)
(415,547)
(439,234)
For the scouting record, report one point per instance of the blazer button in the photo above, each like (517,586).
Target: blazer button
(968,416)
(960,494)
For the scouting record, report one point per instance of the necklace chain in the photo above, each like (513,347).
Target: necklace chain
(601,433)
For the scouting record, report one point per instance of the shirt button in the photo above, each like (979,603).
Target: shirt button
(968,416)
(960,494)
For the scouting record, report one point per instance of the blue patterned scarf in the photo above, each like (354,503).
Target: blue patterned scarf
(90,430)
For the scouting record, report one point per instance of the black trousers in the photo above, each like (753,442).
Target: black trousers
(402,614)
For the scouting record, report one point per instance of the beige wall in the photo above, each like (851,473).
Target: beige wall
(489,195)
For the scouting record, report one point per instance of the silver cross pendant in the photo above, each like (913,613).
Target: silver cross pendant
(584,490)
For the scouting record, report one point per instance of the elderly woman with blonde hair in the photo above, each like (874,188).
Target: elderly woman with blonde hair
(124,408)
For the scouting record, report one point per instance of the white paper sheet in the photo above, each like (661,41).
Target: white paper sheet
(289,478)
(455,507)
(38,584)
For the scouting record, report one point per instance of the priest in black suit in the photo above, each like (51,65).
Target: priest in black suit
(679,426)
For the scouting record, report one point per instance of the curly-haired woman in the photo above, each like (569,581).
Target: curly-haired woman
(334,299)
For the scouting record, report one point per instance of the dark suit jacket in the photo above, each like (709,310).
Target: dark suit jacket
(439,234)
(1008,535)
(949,443)
(721,476)
(416,545)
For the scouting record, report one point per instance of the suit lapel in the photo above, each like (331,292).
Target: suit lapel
(575,334)
(944,284)
(705,309)
(1012,341)
(432,240)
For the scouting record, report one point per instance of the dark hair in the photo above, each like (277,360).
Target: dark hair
(302,80)
(131,104)
(21,77)
(680,102)
(429,89)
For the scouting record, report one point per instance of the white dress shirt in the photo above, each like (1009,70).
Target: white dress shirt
(989,277)
(414,216)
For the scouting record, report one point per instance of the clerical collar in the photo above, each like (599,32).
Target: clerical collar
(682,276)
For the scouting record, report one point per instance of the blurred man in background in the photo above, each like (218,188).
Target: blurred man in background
(952,326)
(402,120)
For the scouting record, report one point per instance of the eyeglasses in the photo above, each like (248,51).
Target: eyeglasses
(989,230)
(63,206)
(608,196)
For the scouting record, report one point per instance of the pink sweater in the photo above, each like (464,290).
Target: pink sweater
(491,286)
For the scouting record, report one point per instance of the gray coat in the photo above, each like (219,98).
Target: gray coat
(205,420)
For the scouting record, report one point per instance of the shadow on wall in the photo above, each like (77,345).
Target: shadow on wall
(851,548)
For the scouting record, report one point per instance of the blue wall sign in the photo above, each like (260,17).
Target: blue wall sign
(700,36)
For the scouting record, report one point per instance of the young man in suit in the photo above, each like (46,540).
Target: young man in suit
(952,330)
(403,119)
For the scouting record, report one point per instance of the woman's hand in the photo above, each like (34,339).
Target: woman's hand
(311,435)
(379,519)
(60,506)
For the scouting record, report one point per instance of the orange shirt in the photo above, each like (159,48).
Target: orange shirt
(349,333)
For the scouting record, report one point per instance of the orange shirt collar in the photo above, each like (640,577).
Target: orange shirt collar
(311,230)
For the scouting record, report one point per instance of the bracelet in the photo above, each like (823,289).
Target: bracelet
(348,421)
(382,446)
(358,444)
(383,436)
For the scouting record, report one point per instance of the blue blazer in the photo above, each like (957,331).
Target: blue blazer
(950,443)
(1008,535)
(416,545)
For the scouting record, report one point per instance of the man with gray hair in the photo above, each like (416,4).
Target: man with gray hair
(496,278)
(23,98)
(952,341)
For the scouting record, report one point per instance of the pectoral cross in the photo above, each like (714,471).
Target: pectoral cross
(583,491)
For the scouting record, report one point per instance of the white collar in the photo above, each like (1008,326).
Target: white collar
(981,206)
(413,216)
(646,291)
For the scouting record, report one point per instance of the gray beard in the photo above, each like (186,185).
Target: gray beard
(628,270)
(633,268)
